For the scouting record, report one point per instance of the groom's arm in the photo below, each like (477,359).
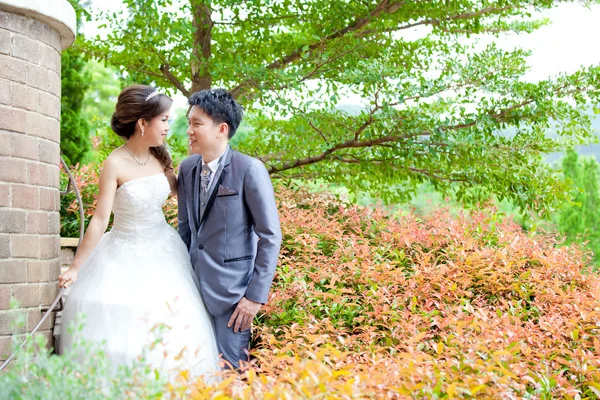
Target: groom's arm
(183,225)
(260,198)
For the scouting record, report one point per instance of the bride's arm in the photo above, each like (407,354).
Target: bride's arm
(172,182)
(98,224)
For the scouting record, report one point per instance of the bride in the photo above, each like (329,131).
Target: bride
(135,283)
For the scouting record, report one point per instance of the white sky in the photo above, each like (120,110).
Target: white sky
(563,46)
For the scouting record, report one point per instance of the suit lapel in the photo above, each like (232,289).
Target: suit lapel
(195,192)
(221,173)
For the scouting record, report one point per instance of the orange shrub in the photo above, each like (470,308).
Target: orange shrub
(455,306)
(371,305)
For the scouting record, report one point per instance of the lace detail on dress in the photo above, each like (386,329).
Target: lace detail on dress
(139,219)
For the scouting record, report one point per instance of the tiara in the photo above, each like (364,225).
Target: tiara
(151,95)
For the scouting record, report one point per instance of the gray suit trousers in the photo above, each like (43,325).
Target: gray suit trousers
(233,347)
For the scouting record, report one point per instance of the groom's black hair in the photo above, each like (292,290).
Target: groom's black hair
(220,105)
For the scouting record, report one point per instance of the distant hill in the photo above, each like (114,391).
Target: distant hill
(350,108)
(590,150)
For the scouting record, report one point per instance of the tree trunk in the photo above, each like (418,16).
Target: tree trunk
(202,21)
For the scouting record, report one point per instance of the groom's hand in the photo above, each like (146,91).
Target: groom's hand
(242,316)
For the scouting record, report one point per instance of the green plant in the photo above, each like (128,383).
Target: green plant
(432,104)
(85,372)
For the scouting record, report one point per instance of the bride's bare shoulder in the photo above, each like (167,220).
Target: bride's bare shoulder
(115,158)
(115,162)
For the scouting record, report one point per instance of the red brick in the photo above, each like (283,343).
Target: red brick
(4,41)
(54,85)
(49,152)
(5,296)
(13,271)
(14,22)
(12,221)
(5,347)
(37,125)
(5,96)
(4,247)
(4,194)
(49,247)
(34,315)
(13,69)
(50,105)
(38,271)
(12,119)
(48,292)
(37,174)
(54,40)
(23,96)
(50,58)
(13,170)
(28,295)
(37,77)
(54,223)
(54,130)
(8,321)
(38,30)
(53,269)
(25,246)
(48,199)
(26,48)
(5,143)
(25,196)
(25,146)
(37,222)
(53,172)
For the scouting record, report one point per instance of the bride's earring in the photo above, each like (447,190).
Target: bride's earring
(141,125)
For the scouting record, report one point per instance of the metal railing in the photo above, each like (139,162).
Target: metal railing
(57,304)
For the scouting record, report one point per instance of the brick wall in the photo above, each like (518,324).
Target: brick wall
(29,170)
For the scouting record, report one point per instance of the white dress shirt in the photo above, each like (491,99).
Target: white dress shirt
(213,165)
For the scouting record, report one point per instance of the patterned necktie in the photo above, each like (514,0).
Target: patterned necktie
(205,178)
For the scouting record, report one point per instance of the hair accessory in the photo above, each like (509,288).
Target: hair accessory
(151,95)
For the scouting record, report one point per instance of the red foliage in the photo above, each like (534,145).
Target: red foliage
(367,304)
(444,305)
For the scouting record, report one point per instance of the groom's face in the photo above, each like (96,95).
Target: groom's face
(205,136)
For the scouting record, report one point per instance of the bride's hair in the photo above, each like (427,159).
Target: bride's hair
(140,101)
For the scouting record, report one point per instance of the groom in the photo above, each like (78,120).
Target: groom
(228,220)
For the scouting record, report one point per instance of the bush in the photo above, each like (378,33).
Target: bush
(371,305)
(36,373)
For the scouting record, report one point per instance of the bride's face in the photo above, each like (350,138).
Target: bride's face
(157,129)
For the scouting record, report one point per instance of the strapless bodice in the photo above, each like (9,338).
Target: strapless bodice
(138,205)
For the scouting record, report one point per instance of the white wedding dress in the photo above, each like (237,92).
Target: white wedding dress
(138,284)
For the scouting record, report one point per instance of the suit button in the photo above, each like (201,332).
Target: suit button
(200,247)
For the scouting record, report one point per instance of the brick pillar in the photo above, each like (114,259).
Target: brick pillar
(32,35)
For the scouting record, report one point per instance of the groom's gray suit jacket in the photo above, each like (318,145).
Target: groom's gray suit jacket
(226,253)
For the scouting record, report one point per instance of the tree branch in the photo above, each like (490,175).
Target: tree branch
(165,69)
(387,139)
(345,145)
(356,160)
(384,6)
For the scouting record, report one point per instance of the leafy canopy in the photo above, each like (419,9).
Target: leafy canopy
(437,103)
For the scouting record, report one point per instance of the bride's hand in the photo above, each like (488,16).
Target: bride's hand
(67,278)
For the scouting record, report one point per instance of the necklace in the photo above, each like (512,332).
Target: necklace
(136,160)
